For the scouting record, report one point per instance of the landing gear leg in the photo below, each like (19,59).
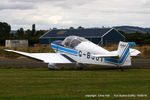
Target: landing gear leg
(81,66)
(122,69)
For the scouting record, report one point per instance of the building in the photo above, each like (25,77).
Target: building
(16,43)
(103,36)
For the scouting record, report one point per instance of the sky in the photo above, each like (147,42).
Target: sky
(48,14)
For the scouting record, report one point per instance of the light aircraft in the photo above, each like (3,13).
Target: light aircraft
(78,50)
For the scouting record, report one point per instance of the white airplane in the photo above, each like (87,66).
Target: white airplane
(78,50)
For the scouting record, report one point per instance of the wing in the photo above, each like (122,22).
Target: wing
(45,57)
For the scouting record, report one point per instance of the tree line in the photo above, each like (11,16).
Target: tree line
(137,37)
(33,35)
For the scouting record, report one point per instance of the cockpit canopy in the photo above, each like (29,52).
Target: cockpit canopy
(73,41)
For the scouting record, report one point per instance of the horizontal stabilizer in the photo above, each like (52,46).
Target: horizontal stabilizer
(106,55)
(134,52)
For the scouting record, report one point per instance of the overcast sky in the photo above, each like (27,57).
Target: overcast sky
(65,13)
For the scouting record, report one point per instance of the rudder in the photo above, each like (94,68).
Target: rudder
(124,54)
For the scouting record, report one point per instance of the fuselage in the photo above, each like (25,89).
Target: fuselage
(82,52)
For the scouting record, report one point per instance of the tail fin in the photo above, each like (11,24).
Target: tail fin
(124,54)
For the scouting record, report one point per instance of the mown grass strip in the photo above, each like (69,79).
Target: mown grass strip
(41,84)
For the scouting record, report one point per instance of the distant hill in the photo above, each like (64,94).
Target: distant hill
(133,29)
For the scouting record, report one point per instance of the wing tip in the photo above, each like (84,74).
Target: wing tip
(8,50)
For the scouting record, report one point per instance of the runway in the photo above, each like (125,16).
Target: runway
(30,63)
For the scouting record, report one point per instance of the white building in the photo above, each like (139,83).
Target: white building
(16,43)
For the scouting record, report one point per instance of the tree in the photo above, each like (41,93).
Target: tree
(28,33)
(71,28)
(4,29)
(39,33)
(20,32)
(4,32)
(33,30)
(80,27)
(54,28)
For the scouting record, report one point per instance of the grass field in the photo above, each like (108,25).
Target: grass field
(42,84)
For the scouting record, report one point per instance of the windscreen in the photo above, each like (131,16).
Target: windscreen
(73,41)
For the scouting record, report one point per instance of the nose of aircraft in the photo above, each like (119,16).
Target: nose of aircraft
(57,42)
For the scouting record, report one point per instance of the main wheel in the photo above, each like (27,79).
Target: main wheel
(122,69)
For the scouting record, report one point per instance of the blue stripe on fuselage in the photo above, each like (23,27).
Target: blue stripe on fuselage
(111,60)
(64,49)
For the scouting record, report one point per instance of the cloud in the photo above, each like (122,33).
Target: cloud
(15,5)
(66,13)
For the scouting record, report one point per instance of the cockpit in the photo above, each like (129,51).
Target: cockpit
(73,41)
